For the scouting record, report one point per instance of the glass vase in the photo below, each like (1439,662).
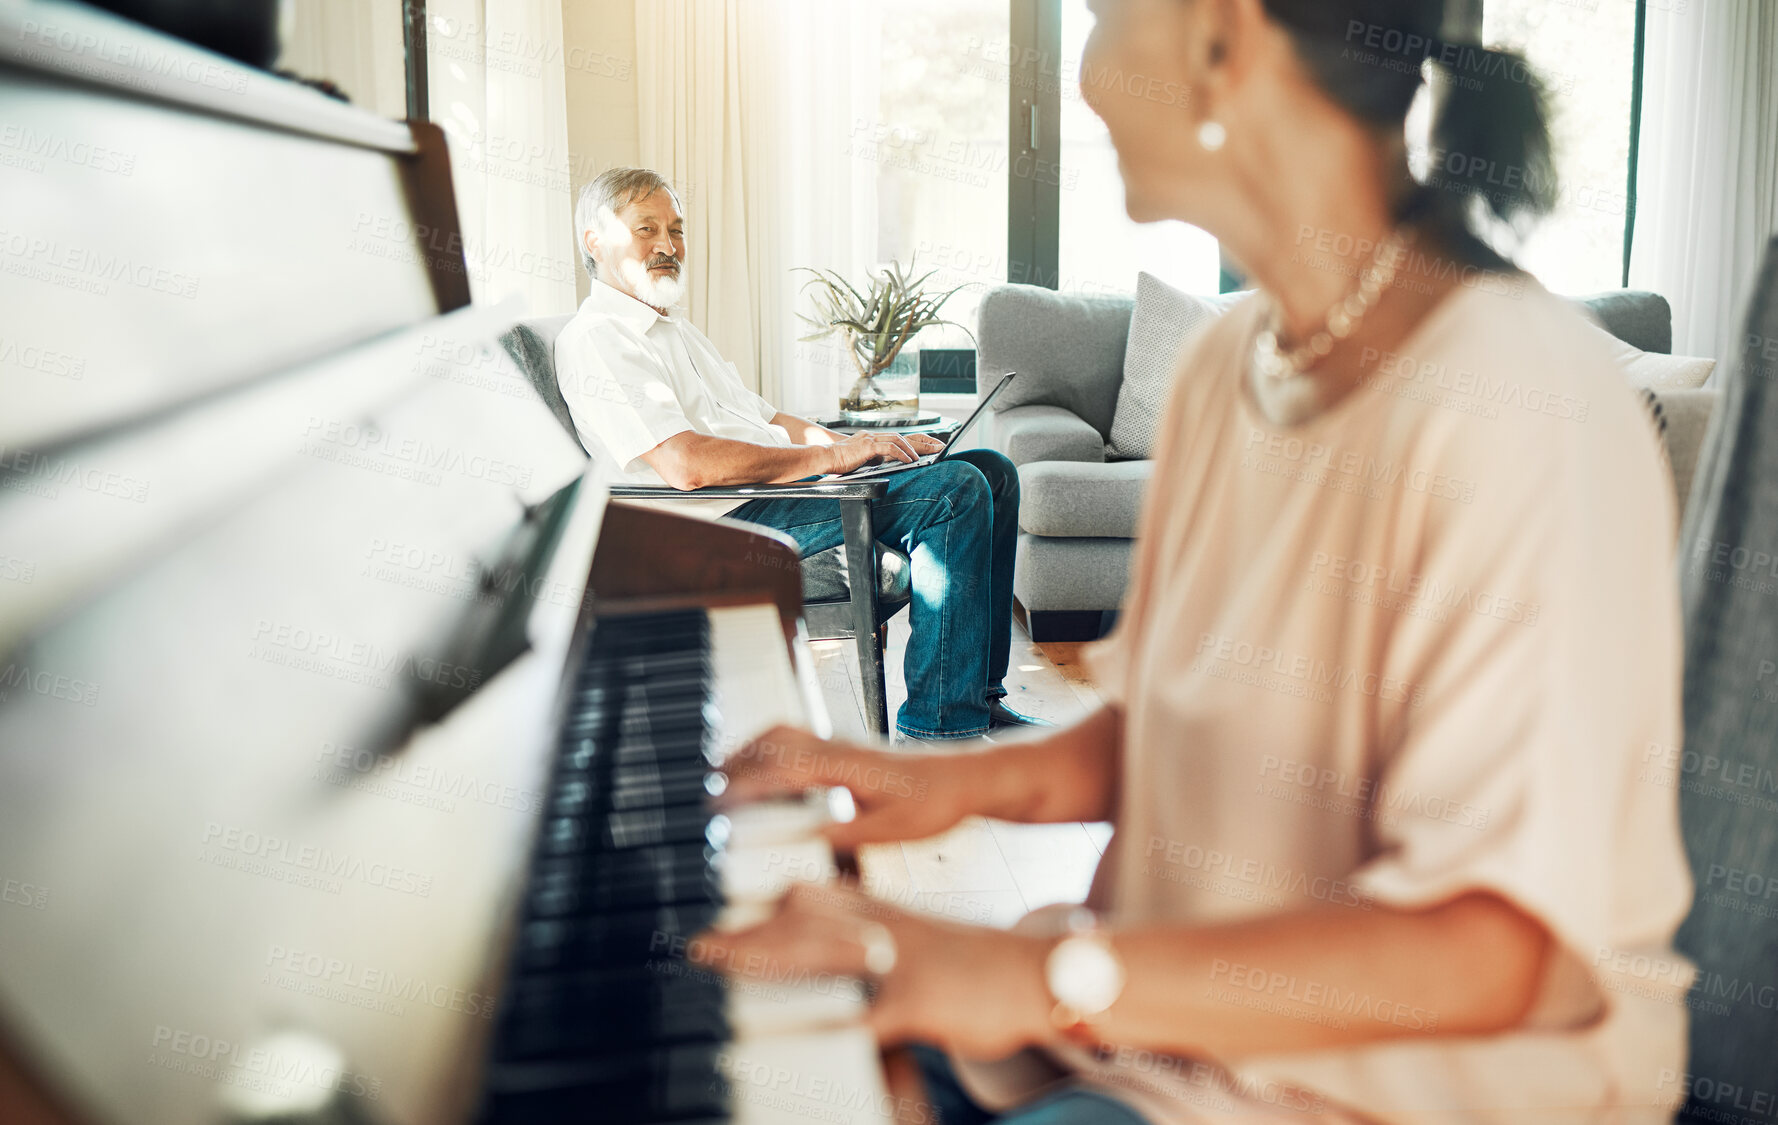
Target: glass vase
(891,395)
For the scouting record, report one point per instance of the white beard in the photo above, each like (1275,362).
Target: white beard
(662,292)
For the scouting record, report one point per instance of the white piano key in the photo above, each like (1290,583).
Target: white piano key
(755,683)
(767,823)
(760,1008)
(763,874)
(830,1076)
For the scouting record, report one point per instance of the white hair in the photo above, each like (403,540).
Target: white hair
(611,191)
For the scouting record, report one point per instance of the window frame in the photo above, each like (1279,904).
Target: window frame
(1034,202)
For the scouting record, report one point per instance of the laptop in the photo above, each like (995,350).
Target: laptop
(887,467)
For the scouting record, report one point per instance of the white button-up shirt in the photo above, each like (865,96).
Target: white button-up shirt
(633,378)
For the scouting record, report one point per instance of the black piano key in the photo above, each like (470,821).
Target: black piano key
(616,937)
(624,829)
(580,886)
(678,787)
(666,1001)
(609,1019)
(672,824)
(681,1084)
(677,781)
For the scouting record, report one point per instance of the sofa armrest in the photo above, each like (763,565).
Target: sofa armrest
(1040,433)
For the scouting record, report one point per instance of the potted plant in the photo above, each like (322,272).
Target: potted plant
(876,325)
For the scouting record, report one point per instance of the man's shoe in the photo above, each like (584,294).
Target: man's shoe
(1000,715)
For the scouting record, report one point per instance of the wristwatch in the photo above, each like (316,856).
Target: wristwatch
(1084,975)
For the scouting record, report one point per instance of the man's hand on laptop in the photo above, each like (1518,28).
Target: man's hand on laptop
(864,449)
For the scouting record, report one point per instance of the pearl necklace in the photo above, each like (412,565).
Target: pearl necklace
(1342,320)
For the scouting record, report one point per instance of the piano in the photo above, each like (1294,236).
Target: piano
(354,750)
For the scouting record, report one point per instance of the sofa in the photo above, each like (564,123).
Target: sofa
(1080,501)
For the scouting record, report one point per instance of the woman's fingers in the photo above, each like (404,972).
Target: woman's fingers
(785,760)
(881,824)
(817,929)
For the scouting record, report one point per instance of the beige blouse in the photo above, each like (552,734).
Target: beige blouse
(1425,642)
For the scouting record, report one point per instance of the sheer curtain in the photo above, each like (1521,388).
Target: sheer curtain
(1707,181)
(357,44)
(498,91)
(746,107)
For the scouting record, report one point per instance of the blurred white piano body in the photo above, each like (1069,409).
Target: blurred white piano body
(294,587)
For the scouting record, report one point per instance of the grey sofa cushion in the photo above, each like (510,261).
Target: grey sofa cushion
(1071,574)
(1163,323)
(1075,499)
(1068,349)
(1635,316)
(1040,433)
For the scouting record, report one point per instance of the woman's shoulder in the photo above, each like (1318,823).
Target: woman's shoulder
(1512,325)
(1522,388)
(1508,358)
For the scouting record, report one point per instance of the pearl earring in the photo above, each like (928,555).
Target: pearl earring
(1212,135)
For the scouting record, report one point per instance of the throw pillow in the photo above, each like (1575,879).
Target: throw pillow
(1661,372)
(1163,320)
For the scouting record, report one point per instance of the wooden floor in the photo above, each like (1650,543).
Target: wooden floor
(983,871)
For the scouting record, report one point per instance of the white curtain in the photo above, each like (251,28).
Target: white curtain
(356,44)
(1707,181)
(746,106)
(495,70)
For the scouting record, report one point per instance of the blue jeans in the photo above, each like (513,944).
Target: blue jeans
(1078,1106)
(958,522)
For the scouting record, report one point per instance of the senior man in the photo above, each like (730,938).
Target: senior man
(652,395)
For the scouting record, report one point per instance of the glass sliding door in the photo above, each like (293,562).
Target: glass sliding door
(939,144)
(1586,55)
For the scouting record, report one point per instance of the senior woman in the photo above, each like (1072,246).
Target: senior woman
(1402,624)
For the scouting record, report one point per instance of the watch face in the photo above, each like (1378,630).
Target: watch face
(1085,974)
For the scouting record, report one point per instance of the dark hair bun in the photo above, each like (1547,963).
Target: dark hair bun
(1490,135)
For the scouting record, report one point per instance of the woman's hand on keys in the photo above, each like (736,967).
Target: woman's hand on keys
(896,796)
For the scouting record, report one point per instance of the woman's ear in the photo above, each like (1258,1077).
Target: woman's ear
(1228,42)
(1230,33)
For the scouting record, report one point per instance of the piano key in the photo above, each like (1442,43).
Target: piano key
(616,937)
(578,886)
(602,1015)
(777,822)
(680,1083)
(765,873)
(795,1006)
(665,1002)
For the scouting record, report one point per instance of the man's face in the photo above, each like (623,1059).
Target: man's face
(641,250)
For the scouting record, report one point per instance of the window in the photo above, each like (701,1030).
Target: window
(1099,247)
(940,145)
(1585,52)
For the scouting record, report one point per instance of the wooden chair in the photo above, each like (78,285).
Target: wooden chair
(849,592)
